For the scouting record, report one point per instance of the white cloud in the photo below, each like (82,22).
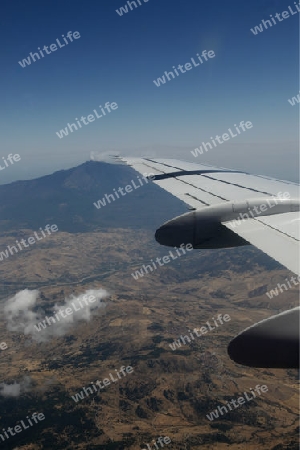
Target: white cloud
(20,317)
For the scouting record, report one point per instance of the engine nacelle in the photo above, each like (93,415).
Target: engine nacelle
(204,228)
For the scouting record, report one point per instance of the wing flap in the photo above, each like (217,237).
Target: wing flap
(277,236)
(257,184)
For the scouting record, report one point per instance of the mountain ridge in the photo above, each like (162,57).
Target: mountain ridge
(66,198)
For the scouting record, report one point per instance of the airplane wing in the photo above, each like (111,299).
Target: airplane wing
(231,208)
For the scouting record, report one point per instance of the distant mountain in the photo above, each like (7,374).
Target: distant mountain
(67,198)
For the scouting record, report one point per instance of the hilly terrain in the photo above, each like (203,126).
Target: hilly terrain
(170,392)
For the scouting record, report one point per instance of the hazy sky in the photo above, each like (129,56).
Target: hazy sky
(117,58)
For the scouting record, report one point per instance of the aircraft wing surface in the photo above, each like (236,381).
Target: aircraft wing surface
(232,208)
(273,228)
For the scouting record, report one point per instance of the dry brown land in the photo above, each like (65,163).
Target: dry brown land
(170,392)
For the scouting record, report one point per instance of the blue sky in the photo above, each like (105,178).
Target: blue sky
(117,58)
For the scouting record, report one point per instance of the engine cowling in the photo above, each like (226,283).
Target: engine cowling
(204,228)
